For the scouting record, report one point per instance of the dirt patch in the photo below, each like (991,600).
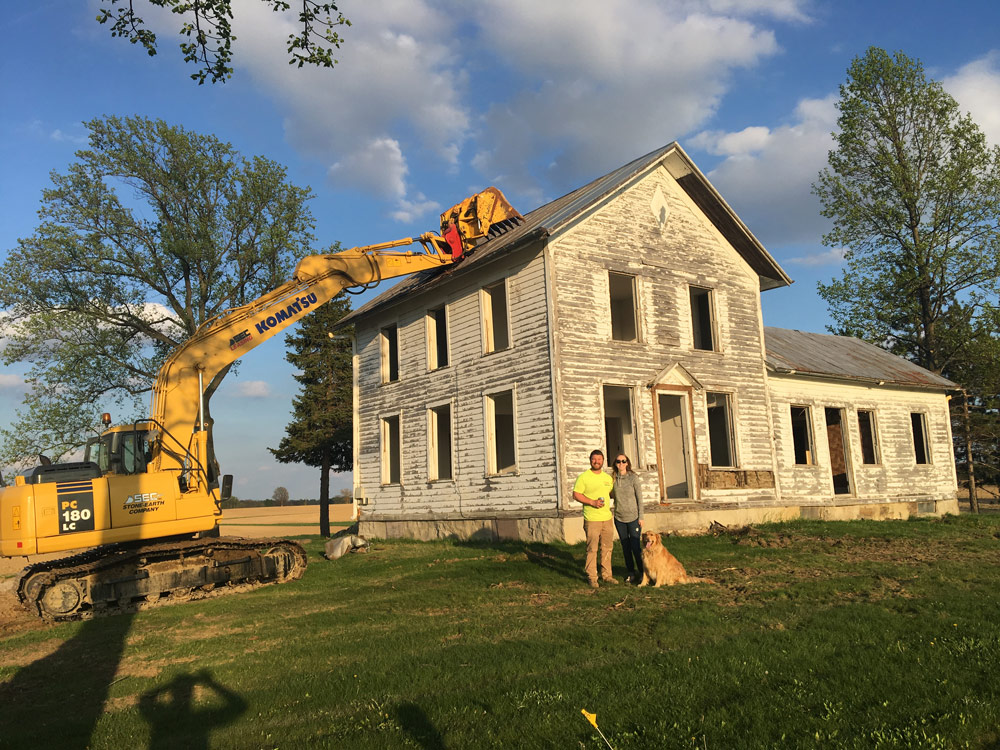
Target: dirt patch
(14,618)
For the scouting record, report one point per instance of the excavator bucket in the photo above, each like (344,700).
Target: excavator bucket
(484,215)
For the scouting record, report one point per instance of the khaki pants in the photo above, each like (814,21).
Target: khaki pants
(599,533)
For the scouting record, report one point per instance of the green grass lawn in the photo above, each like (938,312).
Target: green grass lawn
(835,635)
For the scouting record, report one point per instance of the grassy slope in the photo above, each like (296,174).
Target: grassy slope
(853,635)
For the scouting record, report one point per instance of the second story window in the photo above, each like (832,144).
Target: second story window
(703,319)
(621,288)
(437,339)
(389,345)
(496,327)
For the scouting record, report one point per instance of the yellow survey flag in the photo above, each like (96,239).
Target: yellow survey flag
(592,718)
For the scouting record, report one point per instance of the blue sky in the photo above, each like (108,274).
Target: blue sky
(434,100)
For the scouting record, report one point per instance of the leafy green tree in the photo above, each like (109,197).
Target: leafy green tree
(280,496)
(207,33)
(914,194)
(149,233)
(913,190)
(321,431)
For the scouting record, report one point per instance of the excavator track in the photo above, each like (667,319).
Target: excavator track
(126,578)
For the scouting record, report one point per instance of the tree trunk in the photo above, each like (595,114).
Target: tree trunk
(324,495)
(969,463)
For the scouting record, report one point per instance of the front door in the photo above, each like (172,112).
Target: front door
(673,447)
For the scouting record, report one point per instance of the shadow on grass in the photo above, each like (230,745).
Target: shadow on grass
(414,721)
(57,700)
(184,712)
(555,557)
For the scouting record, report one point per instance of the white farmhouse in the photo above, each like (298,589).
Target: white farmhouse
(626,316)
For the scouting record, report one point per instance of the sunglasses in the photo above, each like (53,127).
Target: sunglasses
(621,462)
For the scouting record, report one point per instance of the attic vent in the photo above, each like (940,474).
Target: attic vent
(660,208)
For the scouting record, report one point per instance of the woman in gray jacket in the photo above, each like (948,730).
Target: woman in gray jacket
(628,514)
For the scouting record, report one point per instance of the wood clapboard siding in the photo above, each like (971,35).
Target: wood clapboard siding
(624,236)
(898,476)
(470,375)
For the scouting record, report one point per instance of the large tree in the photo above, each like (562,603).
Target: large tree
(206,31)
(913,190)
(150,232)
(321,431)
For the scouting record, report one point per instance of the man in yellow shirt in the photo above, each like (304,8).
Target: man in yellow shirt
(593,489)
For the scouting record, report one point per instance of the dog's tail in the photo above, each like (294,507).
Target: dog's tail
(696,579)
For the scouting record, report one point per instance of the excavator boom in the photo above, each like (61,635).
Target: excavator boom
(143,486)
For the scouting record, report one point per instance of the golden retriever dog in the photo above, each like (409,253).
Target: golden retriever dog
(660,567)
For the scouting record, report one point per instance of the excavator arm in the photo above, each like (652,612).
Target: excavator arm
(142,492)
(182,444)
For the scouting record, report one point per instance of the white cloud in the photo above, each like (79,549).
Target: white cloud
(409,211)
(11,382)
(536,96)
(61,137)
(834,256)
(976,88)
(603,82)
(783,10)
(254,389)
(378,166)
(768,172)
(740,143)
(399,87)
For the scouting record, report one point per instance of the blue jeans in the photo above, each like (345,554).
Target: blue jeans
(629,534)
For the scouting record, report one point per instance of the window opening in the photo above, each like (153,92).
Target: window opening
(390,354)
(391,451)
(496,330)
(802,436)
(869,437)
(623,308)
(437,339)
(921,446)
(500,428)
(720,429)
(619,423)
(702,318)
(440,442)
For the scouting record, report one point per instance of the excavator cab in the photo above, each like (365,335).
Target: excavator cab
(120,451)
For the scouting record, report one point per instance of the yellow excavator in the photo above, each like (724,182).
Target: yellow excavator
(145,502)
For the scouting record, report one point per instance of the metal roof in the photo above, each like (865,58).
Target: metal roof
(822,354)
(550,218)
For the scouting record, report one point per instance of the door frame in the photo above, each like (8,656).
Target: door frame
(686,394)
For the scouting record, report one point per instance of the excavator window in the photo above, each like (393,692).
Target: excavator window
(120,452)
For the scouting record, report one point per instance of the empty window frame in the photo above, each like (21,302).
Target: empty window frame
(439,442)
(501,436)
(392,450)
(619,423)
(437,339)
(921,445)
(721,437)
(868,430)
(389,352)
(703,318)
(802,436)
(621,288)
(496,326)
